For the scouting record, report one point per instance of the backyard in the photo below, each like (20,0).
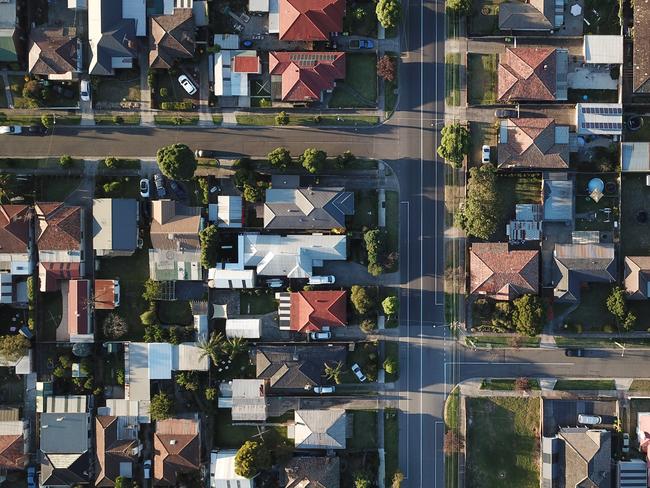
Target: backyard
(51,305)
(514,189)
(635,210)
(175,312)
(250,303)
(484,20)
(503,442)
(360,86)
(482,76)
(227,435)
(592,215)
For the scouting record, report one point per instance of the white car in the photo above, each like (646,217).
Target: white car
(144,188)
(320,336)
(147,469)
(589,419)
(324,389)
(187,85)
(626,443)
(485,154)
(84,90)
(322,280)
(11,129)
(357,372)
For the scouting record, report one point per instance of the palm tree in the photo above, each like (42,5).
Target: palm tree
(212,347)
(234,346)
(334,372)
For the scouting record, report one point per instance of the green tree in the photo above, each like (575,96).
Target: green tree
(280,157)
(390,365)
(154,333)
(454,144)
(460,7)
(209,238)
(65,161)
(528,315)
(59,372)
(212,347)
(47,120)
(210,394)
(122,482)
(234,346)
(480,215)
(362,301)
(114,326)
(13,347)
(152,290)
(388,13)
(65,361)
(252,458)
(252,193)
(313,159)
(282,118)
(334,371)
(390,305)
(32,90)
(119,376)
(148,317)
(176,161)
(629,322)
(161,406)
(616,304)
(188,380)
(362,480)
(368,325)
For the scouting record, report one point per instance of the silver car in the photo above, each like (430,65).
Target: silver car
(159,180)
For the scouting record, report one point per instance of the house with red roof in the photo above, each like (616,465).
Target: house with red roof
(177,449)
(526,143)
(304,76)
(310,20)
(312,311)
(15,253)
(80,325)
(500,273)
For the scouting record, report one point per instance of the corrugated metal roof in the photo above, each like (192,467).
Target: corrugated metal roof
(246,328)
(635,156)
(160,361)
(222,471)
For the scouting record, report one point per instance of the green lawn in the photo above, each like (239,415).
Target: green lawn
(365,355)
(391,349)
(481,133)
(364,25)
(359,89)
(506,385)
(127,188)
(365,214)
(482,78)
(592,313)
(452,406)
(122,119)
(513,189)
(391,442)
(311,120)
(177,312)
(227,435)
(602,16)
(643,134)
(217,119)
(503,442)
(635,198)
(585,385)
(484,20)
(121,164)
(3,96)
(62,118)
(364,430)
(586,341)
(392,220)
(168,119)
(502,341)
(640,385)
(452,79)
(55,189)
(253,304)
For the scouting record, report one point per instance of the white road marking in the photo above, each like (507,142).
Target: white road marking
(408,321)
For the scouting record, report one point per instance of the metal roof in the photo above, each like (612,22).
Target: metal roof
(115,224)
(599,118)
(246,328)
(603,49)
(635,156)
(222,471)
(64,433)
(160,361)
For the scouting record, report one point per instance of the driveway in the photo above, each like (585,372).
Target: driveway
(564,413)
(348,273)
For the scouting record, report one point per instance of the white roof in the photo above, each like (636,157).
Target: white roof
(77,4)
(227,212)
(603,49)
(138,374)
(227,83)
(160,361)
(187,357)
(136,10)
(66,404)
(246,328)
(222,471)
(227,41)
(201,326)
(138,410)
(258,5)
(635,156)
(599,118)
(231,278)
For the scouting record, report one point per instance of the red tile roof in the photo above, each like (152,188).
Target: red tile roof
(531,143)
(310,20)
(59,227)
(305,75)
(246,64)
(176,447)
(312,310)
(111,451)
(78,307)
(12,452)
(50,274)
(502,274)
(14,228)
(527,73)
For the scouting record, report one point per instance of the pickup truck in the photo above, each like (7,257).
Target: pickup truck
(361,44)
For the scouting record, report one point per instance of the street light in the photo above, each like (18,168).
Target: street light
(622,346)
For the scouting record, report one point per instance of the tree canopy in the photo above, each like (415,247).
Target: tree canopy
(176,161)
(388,12)
(617,306)
(13,347)
(251,458)
(161,406)
(461,7)
(313,159)
(115,326)
(280,157)
(454,144)
(209,238)
(528,314)
(362,301)
(390,305)
(480,214)
(386,68)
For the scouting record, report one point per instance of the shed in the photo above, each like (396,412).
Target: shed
(635,156)
(245,328)
(231,278)
(603,49)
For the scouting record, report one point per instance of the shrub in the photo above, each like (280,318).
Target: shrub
(151,78)
(119,377)
(209,238)
(210,394)
(386,68)
(522,384)
(362,302)
(65,161)
(161,407)
(47,120)
(282,118)
(265,103)
(117,119)
(111,162)
(32,90)
(313,159)
(148,318)
(152,290)
(390,365)
(176,106)
(368,325)
(164,93)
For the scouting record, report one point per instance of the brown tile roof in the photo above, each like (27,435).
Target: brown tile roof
(59,227)
(313,472)
(172,219)
(51,274)
(637,276)
(110,451)
(52,51)
(243,63)
(104,295)
(310,20)
(14,228)
(527,73)
(641,56)
(312,310)
(171,37)
(177,449)
(502,274)
(531,143)
(12,452)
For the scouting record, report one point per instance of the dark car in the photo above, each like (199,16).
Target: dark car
(575,352)
(206,153)
(505,113)
(177,190)
(36,130)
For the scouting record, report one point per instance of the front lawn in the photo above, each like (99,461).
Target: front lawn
(122,119)
(635,199)
(111,91)
(178,119)
(482,78)
(484,20)
(364,427)
(250,303)
(55,189)
(361,19)
(3,97)
(117,187)
(391,350)
(365,355)
(585,385)
(12,388)
(592,313)
(365,212)
(392,220)
(359,89)
(391,442)
(503,442)
(506,385)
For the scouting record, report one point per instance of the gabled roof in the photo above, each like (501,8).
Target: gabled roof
(64,448)
(305,75)
(641,56)
(501,273)
(175,226)
(52,51)
(177,449)
(115,225)
(58,228)
(581,263)
(14,228)
(113,454)
(110,35)
(637,277)
(527,73)
(78,311)
(533,143)
(538,15)
(587,457)
(313,472)
(51,274)
(312,310)
(310,20)
(171,37)
(320,429)
(12,444)
(246,62)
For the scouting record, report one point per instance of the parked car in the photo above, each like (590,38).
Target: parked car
(11,129)
(320,336)
(147,469)
(485,154)
(31,477)
(206,154)
(215,189)
(322,280)
(177,190)
(84,90)
(144,187)
(361,44)
(589,419)
(574,352)
(36,130)
(159,180)
(357,372)
(626,443)
(321,390)
(505,113)
(187,84)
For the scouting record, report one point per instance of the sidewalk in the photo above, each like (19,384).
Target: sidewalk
(146,115)
(5,79)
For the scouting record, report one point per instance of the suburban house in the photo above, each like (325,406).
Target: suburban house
(601,119)
(302,77)
(641,54)
(15,253)
(319,429)
(60,243)
(222,471)
(295,369)
(308,471)
(64,449)
(177,449)
(532,74)
(312,311)
(115,226)
(231,70)
(535,16)
(107,294)
(227,213)
(116,449)
(306,208)
(14,432)
(500,273)
(171,37)
(558,197)
(636,275)
(310,20)
(174,235)
(576,264)
(527,143)
(55,53)
(112,30)
(246,399)
(10,32)
(643,433)
(80,320)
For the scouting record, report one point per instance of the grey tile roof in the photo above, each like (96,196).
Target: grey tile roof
(581,263)
(534,16)
(320,429)
(318,472)
(587,457)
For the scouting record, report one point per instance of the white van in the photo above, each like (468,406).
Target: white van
(322,280)
(589,419)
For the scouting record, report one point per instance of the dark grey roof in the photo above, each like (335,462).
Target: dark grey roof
(118,37)
(319,471)
(581,263)
(115,224)
(534,16)
(76,472)
(64,433)
(587,457)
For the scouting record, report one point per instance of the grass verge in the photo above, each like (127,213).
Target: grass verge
(452,79)
(125,119)
(452,407)
(165,119)
(391,442)
(506,384)
(391,350)
(585,385)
